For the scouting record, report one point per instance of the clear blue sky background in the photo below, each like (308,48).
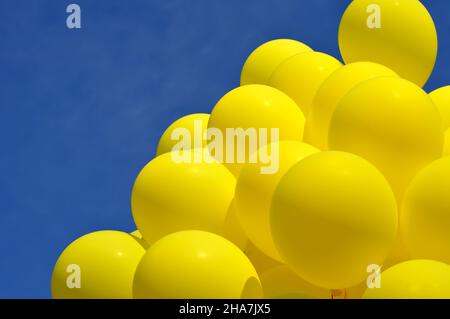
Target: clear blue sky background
(81,111)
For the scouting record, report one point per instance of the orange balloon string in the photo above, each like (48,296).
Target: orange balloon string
(338,292)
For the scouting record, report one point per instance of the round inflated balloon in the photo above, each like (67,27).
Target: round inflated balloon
(137,235)
(249,117)
(399,34)
(425,216)
(447,143)
(413,279)
(259,260)
(441,98)
(232,229)
(281,281)
(170,196)
(190,129)
(333,214)
(301,75)
(100,265)
(332,91)
(195,265)
(398,254)
(261,63)
(254,191)
(392,123)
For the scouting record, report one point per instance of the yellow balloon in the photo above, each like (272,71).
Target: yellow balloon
(425,217)
(399,34)
(254,192)
(301,75)
(169,196)
(260,65)
(232,229)
(194,124)
(413,279)
(350,293)
(333,214)
(259,260)
(253,114)
(392,123)
(293,296)
(441,98)
(137,235)
(356,292)
(398,254)
(333,89)
(282,281)
(195,265)
(447,143)
(99,265)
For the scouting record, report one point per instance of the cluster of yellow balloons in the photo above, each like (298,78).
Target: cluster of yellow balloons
(362,181)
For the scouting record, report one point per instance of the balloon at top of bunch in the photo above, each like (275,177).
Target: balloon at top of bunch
(194,124)
(263,61)
(397,33)
(333,89)
(301,75)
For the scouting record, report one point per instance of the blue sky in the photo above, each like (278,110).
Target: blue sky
(81,111)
